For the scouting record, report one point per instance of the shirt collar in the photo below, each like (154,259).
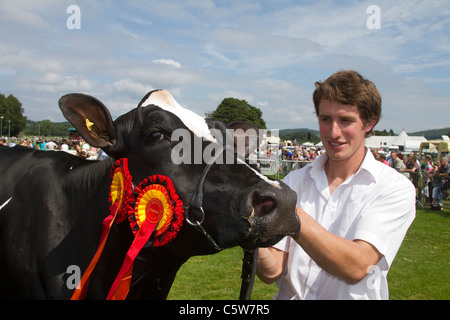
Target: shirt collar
(369,166)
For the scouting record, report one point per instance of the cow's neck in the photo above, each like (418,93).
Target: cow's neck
(90,178)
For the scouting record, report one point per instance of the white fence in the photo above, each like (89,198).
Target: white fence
(279,168)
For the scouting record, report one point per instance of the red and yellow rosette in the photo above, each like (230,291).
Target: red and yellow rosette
(121,189)
(154,204)
(157,197)
(157,209)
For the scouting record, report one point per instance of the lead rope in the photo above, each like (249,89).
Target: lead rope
(249,263)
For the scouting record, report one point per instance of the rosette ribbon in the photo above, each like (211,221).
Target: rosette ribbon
(120,191)
(152,207)
(157,209)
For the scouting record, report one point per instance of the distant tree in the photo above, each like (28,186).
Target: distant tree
(301,137)
(45,128)
(384,133)
(12,112)
(232,109)
(57,129)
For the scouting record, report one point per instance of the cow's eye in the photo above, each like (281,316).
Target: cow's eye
(155,136)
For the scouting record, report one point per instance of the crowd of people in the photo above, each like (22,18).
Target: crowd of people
(430,178)
(74,146)
(300,153)
(436,181)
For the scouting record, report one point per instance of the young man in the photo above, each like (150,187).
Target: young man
(354,210)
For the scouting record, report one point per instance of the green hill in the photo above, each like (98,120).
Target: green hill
(432,134)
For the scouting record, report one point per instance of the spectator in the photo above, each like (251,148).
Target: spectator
(64,145)
(41,145)
(413,167)
(411,163)
(80,151)
(402,157)
(382,158)
(305,156)
(51,145)
(441,175)
(312,155)
(428,180)
(436,181)
(296,154)
(398,164)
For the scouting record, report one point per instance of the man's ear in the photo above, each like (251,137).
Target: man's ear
(370,125)
(90,117)
(246,137)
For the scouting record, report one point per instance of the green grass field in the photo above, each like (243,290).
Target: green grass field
(419,272)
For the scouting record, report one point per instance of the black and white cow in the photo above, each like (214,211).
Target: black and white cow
(52,204)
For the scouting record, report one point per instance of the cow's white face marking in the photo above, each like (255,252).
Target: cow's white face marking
(275,184)
(193,121)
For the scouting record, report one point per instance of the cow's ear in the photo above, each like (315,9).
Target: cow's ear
(246,134)
(90,117)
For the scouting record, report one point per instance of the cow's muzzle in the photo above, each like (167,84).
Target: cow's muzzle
(273,217)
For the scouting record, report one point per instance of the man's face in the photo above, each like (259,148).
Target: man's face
(342,131)
(443,163)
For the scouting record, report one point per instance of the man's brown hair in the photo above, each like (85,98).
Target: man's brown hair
(349,87)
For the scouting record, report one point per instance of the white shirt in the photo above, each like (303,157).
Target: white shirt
(376,204)
(51,145)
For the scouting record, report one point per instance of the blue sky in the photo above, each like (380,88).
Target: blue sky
(269,53)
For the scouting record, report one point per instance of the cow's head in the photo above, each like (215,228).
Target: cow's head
(241,206)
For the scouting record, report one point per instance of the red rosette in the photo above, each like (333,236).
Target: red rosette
(121,188)
(157,200)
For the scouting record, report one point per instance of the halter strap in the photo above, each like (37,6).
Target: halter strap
(194,213)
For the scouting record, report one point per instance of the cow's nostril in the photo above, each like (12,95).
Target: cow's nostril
(263,205)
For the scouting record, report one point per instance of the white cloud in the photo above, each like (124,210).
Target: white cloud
(131,88)
(22,13)
(170,62)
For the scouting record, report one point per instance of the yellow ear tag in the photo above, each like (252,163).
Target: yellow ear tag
(89,124)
